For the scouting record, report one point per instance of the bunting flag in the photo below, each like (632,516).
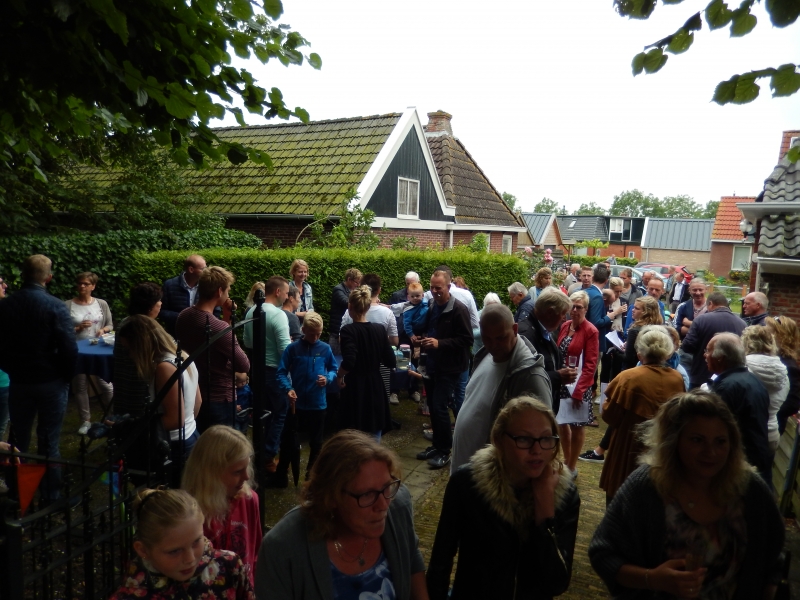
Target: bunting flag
(28,478)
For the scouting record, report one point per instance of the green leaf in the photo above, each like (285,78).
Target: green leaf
(237,112)
(115,19)
(743,23)
(783,12)
(273,8)
(637,64)
(746,89)
(195,155)
(718,14)
(242,9)
(725,91)
(314,60)
(236,155)
(654,60)
(794,154)
(178,107)
(201,65)
(301,114)
(785,81)
(680,42)
(39,174)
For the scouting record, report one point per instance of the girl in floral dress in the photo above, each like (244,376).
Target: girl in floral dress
(174,558)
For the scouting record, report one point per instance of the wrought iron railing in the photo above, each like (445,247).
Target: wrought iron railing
(78,546)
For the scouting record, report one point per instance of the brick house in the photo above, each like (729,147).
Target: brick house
(678,242)
(775,218)
(731,249)
(623,234)
(419,184)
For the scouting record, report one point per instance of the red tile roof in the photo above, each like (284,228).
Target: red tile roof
(786,140)
(726,225)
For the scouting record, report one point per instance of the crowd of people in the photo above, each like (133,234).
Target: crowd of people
(694,398)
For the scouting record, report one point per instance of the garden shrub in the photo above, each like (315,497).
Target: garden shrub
(483,272)
(109,255)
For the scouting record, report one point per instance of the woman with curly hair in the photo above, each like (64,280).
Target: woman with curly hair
(694,520)
(787,339)
(352,535)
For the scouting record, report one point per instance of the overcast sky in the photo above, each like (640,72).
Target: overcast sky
(542,93)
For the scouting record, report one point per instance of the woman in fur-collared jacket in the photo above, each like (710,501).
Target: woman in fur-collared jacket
(511,513)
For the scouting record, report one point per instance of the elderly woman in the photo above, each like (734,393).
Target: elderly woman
(787,339)
(352,535)
(763,362)
(694,521)
(645,312)
(91,318)
(511,513)
(298,273)
(634,396)
(579,347)
(542,280)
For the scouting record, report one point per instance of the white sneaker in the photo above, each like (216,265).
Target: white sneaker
(393,399)
(84,429)
(416,397)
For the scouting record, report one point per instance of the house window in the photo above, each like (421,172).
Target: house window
(620,230)
(741,258)
(407,198)
(572,224)
(507,240)
(631,254)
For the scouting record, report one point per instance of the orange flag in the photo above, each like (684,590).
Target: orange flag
(28,478)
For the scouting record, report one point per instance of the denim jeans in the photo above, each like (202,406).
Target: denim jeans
(47,403)
(440,389)
(216,413)
(460,392)
(278,403)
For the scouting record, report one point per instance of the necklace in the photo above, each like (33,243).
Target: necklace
(340,551)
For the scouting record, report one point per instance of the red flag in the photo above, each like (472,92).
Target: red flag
(28,478)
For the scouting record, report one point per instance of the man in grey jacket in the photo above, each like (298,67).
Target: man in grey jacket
(506,367)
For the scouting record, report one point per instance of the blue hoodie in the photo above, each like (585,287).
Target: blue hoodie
(300,366)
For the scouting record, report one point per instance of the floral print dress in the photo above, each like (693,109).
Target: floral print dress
(565,394)
(220,575)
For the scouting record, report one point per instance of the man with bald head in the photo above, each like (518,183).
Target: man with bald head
(754,307)
(745,395)
(180,292)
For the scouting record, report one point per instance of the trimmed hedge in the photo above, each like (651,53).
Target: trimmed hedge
(588,261)
(109,255)
(483,272)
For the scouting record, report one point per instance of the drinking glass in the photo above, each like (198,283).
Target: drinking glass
(572,361)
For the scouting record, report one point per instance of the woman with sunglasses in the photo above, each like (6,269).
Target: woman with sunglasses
(352,535)
(511,514)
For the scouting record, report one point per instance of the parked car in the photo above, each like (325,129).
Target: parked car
(663,269)
(637,273)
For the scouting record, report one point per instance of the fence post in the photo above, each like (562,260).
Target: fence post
(257,368)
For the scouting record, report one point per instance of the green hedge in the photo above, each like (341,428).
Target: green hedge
(483,272)
(588,261)
(109,255)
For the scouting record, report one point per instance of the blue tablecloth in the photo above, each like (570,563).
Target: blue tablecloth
(97,359)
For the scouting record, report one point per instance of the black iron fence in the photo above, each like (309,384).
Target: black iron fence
(79,546)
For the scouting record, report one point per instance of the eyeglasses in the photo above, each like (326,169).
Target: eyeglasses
(525,442)
(578,307)
(84,284)
(367,499)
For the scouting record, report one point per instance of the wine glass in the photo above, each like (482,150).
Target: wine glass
(572,361)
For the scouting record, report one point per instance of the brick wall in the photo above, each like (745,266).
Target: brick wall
(721,257)
(426,238)
(621,250)
(269,230)
(692,260)
(783,293)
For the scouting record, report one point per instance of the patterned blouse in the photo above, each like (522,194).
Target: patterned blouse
(220,575)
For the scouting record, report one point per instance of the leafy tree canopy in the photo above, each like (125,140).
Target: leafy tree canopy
(546,205)
(76,72)
(510,200)
(592,208)
(784,80)
(633,203)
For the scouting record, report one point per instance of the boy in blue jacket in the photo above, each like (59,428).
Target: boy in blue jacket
(415,312)
(306,368)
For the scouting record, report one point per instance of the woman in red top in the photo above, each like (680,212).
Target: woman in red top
(217,475)
(579,344)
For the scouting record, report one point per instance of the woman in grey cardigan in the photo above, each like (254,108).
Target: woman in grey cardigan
(352,533)
(694,521)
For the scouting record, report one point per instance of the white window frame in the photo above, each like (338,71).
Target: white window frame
(408,182)
(631,254)
(508,240)
(617,225)
(734,266)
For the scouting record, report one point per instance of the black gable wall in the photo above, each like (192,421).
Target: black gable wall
(409,162)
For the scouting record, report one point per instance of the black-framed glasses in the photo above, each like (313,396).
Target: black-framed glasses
(525,442)
(369,498)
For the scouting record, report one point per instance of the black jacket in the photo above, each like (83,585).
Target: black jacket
(792,403)
(339,300)
(748,400)
(453,330)
(502,553)
(39,337)
(531,330)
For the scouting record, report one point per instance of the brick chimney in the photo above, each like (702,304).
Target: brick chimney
(439,123)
